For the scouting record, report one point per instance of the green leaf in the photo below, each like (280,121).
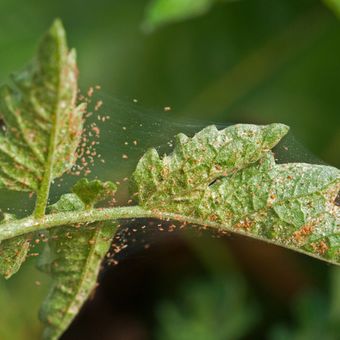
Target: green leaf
(229,179)
(43,125)
(214,309)
(92,192)
(160,12)
(334,5)
(42,130)
(314,314)
(13,252)
(74,259)
(67,202)
(197,162)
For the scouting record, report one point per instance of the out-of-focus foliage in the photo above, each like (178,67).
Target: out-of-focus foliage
(334,5)
(216,309)
(219,309)
(160,12)
(316,316)
(20,299)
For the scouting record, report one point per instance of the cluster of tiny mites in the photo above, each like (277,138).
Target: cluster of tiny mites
(86,152)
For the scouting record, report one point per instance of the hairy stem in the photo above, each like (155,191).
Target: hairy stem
(32,224)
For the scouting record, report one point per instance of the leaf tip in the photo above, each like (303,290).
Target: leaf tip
(92,192)
(57,28)
(274,133)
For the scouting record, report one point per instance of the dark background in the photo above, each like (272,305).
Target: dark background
(251,61)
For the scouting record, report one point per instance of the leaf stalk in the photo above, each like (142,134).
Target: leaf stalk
(31,224)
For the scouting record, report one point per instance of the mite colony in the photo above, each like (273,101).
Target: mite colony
(86,152)
(146,232)
(87,156)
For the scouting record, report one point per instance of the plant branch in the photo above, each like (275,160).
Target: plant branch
(31,224)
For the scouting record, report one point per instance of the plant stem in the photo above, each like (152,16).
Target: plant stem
(32,224)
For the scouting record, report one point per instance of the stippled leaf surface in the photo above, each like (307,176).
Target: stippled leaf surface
(74,260)
(229,178)
(92,192)
(13,252)
(196,162)
(42,129)
(42,122)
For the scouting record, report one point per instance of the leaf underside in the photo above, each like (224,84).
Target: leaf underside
(73,260)
(92,192)
(230,178)
(42,128)
(41,116)
(13,253)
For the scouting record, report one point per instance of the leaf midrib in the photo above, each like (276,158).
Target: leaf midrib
(83,277)
(43,193)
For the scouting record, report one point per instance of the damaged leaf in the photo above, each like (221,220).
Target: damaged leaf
(13,252)
(73,258)
(92,192)
(229,178)
(42,129)
(43,125)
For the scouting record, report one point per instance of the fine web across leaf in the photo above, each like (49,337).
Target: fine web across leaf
(129,129)
(116,135)
(225,178)
(126,130)
(123,130)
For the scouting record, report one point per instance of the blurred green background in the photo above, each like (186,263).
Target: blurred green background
(253,61)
